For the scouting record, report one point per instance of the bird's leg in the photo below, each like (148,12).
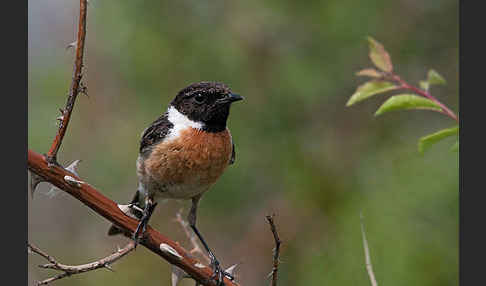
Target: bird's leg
(147,213)
(218,272)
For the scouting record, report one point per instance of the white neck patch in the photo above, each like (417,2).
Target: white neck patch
(181,122)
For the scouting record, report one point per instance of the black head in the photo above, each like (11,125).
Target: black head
(206,102)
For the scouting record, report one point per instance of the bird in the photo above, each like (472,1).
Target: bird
(182,154)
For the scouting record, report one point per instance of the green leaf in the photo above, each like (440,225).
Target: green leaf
(407,101)
(424,84)
(429,140)
(434,77)
(368,89)
(379,56)
(455,147)
(370,72)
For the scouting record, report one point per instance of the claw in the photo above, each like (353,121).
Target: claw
(230,270)
(142,225)
(135,236)
(218,272)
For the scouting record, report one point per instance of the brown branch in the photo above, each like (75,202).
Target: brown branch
(369,266)
(69,270)
(75,85)
(276,252)
(166,248)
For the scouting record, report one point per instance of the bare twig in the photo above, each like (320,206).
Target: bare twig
(276,251)
(168,249)
(69,270)
(369,266)
(75,85)
(192,237)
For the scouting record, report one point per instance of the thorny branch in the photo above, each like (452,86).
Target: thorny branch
(46,168)
(276,252)
(76,85)
(369,266)
(168,249)
(68,270)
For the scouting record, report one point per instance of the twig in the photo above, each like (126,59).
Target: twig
(75,85)
(369,266)
(69,270)
(276,252)
(168,249)
(404,85)
(192,237)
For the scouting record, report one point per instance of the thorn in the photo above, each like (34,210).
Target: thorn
(72,45)
(169,249)
(73,167)
(108,266)
(72,181)
(59,119)
(53,191)
(34,181)
(83,89)
(231,269)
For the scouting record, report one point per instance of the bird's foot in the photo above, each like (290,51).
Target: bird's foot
(218,272)
(142,225)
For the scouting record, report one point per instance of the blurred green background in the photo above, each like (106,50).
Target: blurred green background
(301,154)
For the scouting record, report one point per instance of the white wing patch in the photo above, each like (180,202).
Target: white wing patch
(181,122)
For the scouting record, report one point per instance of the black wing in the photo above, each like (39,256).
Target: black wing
(233,155)
(155,132)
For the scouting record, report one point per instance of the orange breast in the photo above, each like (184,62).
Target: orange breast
(195,159)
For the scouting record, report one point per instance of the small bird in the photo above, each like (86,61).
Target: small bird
(182,154)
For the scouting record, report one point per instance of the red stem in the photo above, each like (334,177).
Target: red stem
(444,109)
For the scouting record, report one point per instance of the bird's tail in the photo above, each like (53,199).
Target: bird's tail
(131,210)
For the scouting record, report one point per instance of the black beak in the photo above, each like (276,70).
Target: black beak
(232,97)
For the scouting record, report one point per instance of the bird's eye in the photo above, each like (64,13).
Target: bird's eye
(199,98)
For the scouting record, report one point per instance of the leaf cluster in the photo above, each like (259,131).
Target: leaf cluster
(383,80)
